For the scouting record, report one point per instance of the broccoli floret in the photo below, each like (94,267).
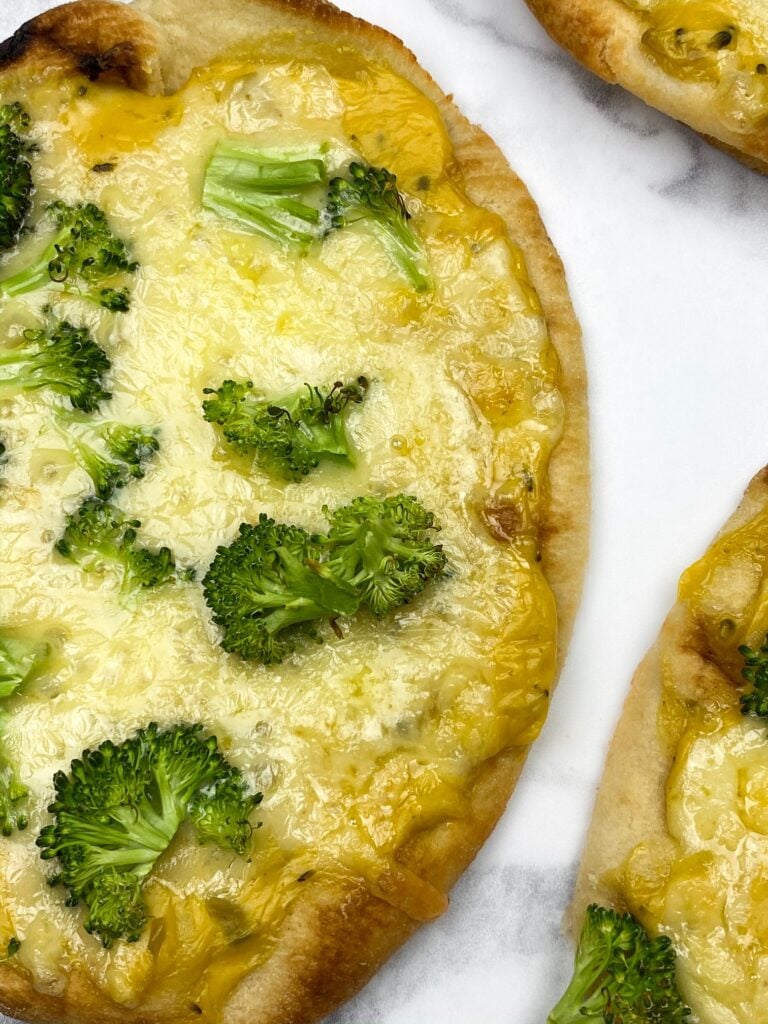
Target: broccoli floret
(98,533)
(61,357)
(261,192)
(84,257)
(116,454)
(382,547)
(621,975)
(265,591)
(20,660)
(120,807)
(274,582)
(370,194)
(755,671)
(289,435)
(16,185)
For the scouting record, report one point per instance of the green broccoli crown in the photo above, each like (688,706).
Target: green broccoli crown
(265,591)
(84,257)
(383,548)
(16,185)
(621,976)
(755,671)
(117,454)
(120,807)
(98,533)
(370,194)
(61,357)
(269,588)
(289,435)
(262,192)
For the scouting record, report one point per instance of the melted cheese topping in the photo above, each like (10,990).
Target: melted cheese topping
(723,42)
(357,743)
(708,888)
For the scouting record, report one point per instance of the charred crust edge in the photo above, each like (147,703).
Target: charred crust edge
(14,48)
(49,38)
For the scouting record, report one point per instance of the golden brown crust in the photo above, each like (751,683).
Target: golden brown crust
(605,35)
(338,934)
(631,801)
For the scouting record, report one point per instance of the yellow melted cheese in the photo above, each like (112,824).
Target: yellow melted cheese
(360,742)
(708,888)
(723,42)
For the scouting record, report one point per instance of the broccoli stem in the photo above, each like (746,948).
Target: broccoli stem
(281,220)
(26,280)
(261,192)
(239,166)
(121,806)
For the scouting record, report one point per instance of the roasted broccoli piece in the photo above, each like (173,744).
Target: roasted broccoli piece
(61,357)
(16,185)
(755,671)
(291,434)
(97,533)
(84,258)
(265,591)
(274,582)
(383,548)
(120,807)
(115,453)
(370,195)
(20,660)
(262,191)
(621,975)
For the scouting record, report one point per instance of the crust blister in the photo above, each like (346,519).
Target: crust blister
(337,934)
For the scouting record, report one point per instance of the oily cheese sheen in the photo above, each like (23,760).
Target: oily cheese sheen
(679,835)
(384,753)
(703,62)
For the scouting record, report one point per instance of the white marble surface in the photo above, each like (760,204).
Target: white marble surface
(663,240)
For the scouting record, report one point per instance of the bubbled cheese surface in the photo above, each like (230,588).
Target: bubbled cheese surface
(359,741)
